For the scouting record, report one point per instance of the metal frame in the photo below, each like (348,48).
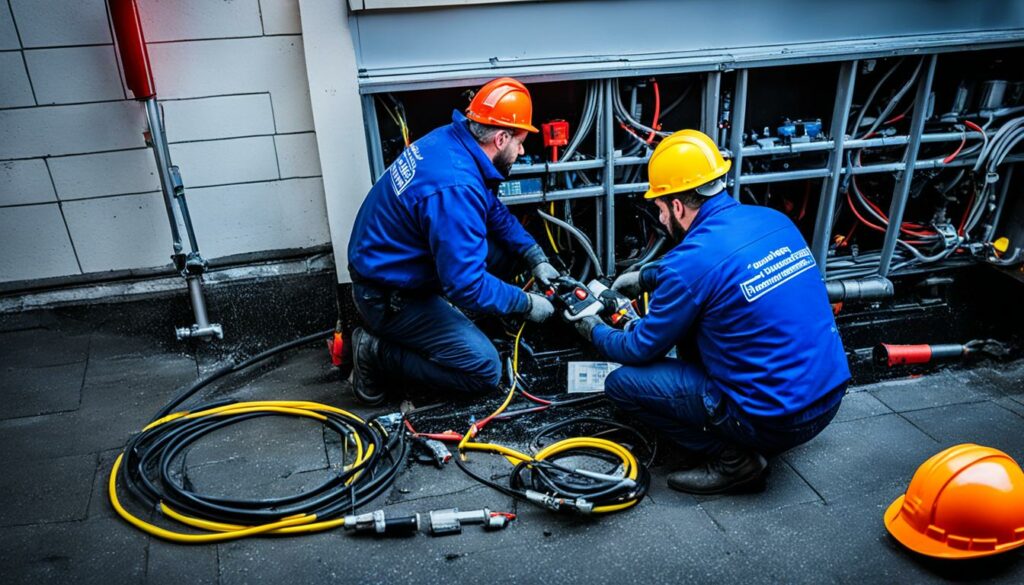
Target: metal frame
(832,173)
(830,187)
(899,196)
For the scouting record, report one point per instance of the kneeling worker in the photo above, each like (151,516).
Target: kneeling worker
(423,241)
(765,370)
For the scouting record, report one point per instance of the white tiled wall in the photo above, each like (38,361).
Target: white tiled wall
(79,190)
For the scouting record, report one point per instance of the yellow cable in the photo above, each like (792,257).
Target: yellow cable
(195,538)
(630,466)
(220,531)
(547,228)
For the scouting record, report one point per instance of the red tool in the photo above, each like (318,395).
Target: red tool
(137,73)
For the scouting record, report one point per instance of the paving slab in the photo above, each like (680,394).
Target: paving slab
(984,423)
(47,490)
(1014,404)
(270,456)
(862,455)
(40,390)
(169,563)
(1007,378)
(939,389)
(841,542)
(39,347)
(119,397)
(784,487)
(100,551)
(860,404)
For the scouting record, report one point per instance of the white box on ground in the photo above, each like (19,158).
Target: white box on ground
(585,377)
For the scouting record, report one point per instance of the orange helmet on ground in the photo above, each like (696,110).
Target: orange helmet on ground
(964,502)
(503,102)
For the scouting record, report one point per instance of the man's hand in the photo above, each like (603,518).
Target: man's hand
(585,327)
(540,308)
(542,270)
(628,284)
(545,273)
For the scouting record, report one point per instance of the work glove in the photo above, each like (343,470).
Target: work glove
(585,326)
(545,273)
(540,308)
(542,270)
(628,284)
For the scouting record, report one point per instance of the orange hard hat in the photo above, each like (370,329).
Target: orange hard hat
(964,502)
(503,102)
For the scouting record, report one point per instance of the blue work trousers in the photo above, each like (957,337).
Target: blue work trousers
(426,343)
(676,398)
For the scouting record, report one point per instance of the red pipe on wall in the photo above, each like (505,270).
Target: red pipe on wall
(132,46)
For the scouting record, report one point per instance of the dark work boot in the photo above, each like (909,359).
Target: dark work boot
(365,368)
(731,469)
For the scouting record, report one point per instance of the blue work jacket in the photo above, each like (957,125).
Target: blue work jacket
(744,284)
(425,224)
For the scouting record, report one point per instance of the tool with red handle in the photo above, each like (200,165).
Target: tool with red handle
(889,355)
(131,44)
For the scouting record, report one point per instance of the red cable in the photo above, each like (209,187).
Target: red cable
(974,126)
(885,218)
(963,220)
(952,157)
(871,225)
(534,398)
(657,111)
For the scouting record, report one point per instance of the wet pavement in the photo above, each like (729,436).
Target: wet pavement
(74,392)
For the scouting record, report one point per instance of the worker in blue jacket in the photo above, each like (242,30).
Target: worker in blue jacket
(425,244)
(760,367)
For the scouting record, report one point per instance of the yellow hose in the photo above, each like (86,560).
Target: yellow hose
(630,465)
(220,531)
(547,228)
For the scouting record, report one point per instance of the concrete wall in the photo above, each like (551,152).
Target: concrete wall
(79,192)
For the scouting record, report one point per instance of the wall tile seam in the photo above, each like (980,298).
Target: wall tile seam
(119,100)
(159,99)
(63,218)
(24,61)
(212,96)
(157,192)
(75,46)
(209,39)
(277,156)
(138,148)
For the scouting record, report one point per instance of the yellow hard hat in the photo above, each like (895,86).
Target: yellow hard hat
(685,160)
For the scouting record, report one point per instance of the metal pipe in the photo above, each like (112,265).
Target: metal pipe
(880,142)
(560,195)
(902,192)
(580,237)
(1003,190)
(757,178)
(709,105)
(609,179)
(202,327)
(538,169)
(859,289)
(372,127)
(163,166)
(830,187)
(739,115)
